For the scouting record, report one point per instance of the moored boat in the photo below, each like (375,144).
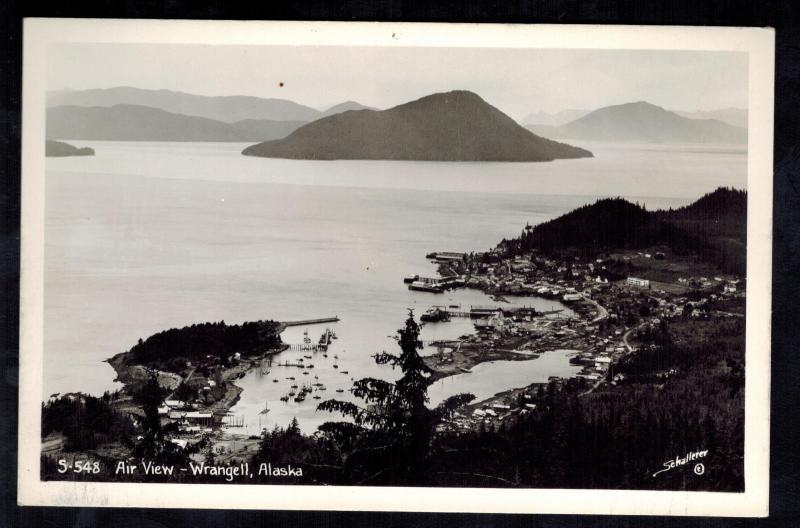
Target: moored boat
(426,286)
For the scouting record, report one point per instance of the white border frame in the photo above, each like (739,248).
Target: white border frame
(758,43)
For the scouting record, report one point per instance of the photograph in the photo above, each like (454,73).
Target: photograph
(396,266)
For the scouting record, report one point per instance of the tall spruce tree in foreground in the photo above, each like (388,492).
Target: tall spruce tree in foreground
(154,444)
(389,438)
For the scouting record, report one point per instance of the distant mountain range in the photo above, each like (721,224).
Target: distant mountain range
(125,122)
(228,109)
(134,114)
(59,149)
(452,126)
(732,116)
(643,122)
(164,115)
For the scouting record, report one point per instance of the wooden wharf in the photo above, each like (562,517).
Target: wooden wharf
(334,319)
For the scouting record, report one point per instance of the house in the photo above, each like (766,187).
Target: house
(199,418)
(639,283)
(729,288)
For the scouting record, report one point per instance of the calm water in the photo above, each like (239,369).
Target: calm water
(147,236)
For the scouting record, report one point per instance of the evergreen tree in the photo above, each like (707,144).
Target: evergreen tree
(388,439)
(154,444)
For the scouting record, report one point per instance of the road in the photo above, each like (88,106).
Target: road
(625,339)
(602,312)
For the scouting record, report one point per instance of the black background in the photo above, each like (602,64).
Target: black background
(785,437)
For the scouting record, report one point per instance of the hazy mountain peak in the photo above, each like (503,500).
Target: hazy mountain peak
(642,121)
(345,107)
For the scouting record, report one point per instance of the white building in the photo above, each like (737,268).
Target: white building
(639,283)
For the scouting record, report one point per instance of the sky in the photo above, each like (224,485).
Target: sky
(517,81)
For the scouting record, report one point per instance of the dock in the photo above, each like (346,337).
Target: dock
(334,319)
(312,348)
(291,364)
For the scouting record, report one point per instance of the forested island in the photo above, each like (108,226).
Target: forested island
(451,126)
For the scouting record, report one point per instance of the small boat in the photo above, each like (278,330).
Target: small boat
(299,398)
(324,355)
(431,287)
(294,386)
(408,279)
(321,388)
(275,381)
(309,366)
(335,366)
(285,398)
(345,372)
(335,356)
(307,357)
(266,407)
(306,339)
(305,373)
(339,390)
(317,397)
(291,378)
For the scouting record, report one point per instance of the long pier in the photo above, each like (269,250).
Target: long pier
(290,364)
(313,348)
(334,319)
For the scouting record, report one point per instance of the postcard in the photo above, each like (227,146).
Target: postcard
(403,267)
